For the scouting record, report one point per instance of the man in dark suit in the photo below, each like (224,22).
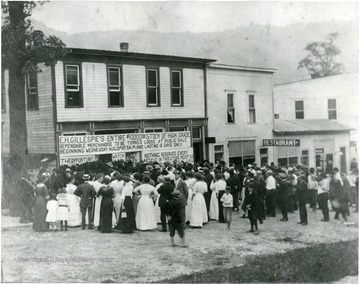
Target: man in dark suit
(181,186)
(87,193)
(165,195)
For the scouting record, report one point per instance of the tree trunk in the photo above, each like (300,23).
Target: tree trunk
(17,111)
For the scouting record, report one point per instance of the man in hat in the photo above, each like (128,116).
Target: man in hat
(252,206)
(181,186)
(155,172)
(148,173)
(87,193)
(165,195)
(292,178)
(302,194)
(208,178)
(283,197)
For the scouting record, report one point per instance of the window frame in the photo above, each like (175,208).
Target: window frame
(120,88)
(181,88)
(80,85)
(300,111)
(231,93)
(251,93)
(219,152)
(154,130)
(158,104)
(332,109)
(33,95)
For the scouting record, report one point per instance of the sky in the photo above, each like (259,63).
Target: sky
(187,16)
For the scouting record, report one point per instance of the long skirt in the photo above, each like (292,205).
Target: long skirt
(189,205)
(214,207)
(74,214)
(97,211)
(157,210)
(106,213)
(145,215)
(198,211)
(40,212)
(127,224)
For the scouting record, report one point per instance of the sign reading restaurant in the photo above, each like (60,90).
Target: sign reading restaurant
(164,146)
(282,142)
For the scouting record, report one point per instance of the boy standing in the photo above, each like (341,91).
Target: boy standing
(227,202)
(252,205)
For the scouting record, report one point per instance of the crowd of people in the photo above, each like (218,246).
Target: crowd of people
(179,193)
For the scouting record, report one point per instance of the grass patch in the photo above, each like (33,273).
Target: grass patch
(317,263)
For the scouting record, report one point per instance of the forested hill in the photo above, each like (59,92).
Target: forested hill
(254,45)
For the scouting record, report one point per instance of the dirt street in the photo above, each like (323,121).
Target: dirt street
(89,256)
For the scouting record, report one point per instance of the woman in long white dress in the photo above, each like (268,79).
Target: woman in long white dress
(190,181)
(214,203)
(97,184)
(117,184)
(199,214)
(145,214)
(74,214)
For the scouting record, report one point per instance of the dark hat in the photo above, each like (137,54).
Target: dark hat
(250,184)
(86,177)
(176,172)
(149,167)
(166,178)
(176,192)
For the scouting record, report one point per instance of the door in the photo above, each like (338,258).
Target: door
(198,152)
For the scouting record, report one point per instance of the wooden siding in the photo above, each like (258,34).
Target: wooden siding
(5,120)
(40,123)
(95,95)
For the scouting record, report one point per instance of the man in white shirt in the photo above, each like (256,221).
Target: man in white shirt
(270,185)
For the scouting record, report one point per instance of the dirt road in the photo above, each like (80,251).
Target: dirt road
(89,256)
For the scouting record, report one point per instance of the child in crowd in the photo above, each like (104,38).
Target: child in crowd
(64,207)
(175,220)
(252,206)
(52,207)
(227,201)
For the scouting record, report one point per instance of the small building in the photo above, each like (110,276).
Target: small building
(99,92)
(317,143)
(240,110)
(334,98)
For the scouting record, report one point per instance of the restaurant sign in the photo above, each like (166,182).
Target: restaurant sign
(282,142)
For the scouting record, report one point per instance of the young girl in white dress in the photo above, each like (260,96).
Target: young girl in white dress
(52,207)
(64,207)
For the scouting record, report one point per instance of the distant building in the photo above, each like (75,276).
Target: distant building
(240,110)
(112,92)
(324,113)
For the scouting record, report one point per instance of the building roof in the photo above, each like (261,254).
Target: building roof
(308,126)
(242,68)
(135,55)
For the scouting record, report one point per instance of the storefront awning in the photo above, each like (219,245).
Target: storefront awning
(308,126)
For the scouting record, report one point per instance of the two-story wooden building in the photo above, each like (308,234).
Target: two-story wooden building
(93,92)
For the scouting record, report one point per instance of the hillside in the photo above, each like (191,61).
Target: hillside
(254,45)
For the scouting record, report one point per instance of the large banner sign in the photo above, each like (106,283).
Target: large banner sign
(169,155)
(108,144)
(282,142)
(163,146)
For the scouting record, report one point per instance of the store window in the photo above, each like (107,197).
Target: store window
(154,130)
(73,96)
(299,109)
(196,132)
(242,153)
(177,128)
(332,109)
(218,153)
(74,134)
(230,108)
(116,131)
(264,158)
(288,156)
(305,158)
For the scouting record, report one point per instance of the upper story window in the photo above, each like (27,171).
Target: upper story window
(299,109)
(32,92)
(3,93)
(252,113)
(230,108)
(176,88)
(152,86)
(115,86)
(73,95)
(332,108)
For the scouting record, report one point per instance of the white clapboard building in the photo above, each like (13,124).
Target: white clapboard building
(323,114)
(109,93)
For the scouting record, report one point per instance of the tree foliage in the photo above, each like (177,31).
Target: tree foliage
(320,60)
